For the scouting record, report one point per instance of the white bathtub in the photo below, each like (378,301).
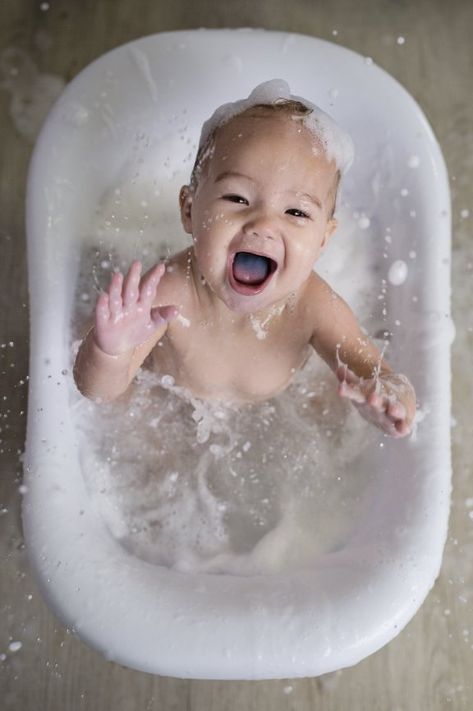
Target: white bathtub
(355,600)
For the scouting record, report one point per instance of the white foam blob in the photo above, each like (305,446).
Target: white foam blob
(337,143)
(364,222)
(397,273)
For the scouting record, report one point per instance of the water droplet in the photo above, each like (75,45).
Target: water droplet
(364,222)
(397,273)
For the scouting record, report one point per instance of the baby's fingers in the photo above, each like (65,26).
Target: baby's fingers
(102,309)
(344,374)
(150,283)
(131,284)
(396,418)
(115,295)
(351,392)
(388,404)
(378,401)
(403,428)
(164,314)
(396,410)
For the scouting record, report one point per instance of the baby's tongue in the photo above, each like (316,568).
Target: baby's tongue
(250,268)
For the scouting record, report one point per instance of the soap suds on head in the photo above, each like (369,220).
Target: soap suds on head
(337,144)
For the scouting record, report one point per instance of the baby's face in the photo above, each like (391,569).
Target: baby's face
(260,214)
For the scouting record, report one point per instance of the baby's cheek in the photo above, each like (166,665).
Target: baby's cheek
(210,263)
(301,258)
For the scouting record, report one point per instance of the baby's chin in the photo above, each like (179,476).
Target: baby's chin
(251,305)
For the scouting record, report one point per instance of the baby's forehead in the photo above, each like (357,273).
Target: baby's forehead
(263,119)
(256,124)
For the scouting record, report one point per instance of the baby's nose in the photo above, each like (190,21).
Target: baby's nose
(262,224)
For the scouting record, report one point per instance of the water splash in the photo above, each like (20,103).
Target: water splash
(213,487)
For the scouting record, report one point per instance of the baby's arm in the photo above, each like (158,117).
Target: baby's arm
(385,398)
(126,329)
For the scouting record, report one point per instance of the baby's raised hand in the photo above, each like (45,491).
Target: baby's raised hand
(124,316)
(387,400)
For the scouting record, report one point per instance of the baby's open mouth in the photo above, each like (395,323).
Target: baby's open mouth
(251,272)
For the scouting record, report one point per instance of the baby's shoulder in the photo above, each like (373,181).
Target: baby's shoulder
(322,305)
(173,286)
(318,293)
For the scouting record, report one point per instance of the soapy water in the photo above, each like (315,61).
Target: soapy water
(212,487)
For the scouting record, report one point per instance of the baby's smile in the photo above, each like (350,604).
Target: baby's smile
(250,273)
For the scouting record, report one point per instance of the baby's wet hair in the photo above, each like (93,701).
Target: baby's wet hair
(289,107)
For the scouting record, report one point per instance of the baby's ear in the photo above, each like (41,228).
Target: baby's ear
(330,228)
(185,203)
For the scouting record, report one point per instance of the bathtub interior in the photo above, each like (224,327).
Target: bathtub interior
(132,118)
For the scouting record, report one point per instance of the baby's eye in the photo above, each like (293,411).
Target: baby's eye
(236,198)
(296,213)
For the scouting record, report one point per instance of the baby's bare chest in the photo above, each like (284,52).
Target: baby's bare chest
(250,366)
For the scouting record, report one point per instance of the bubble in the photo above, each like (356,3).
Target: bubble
(15,646)
(167,381)
(397,273)
(401,40)
(413,162)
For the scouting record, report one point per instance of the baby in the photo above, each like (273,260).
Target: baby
(233,317)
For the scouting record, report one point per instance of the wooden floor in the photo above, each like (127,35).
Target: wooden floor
(429,666)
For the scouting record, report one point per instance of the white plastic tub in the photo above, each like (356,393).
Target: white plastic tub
(356,599)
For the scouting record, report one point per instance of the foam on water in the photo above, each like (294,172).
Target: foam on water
(212,487)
